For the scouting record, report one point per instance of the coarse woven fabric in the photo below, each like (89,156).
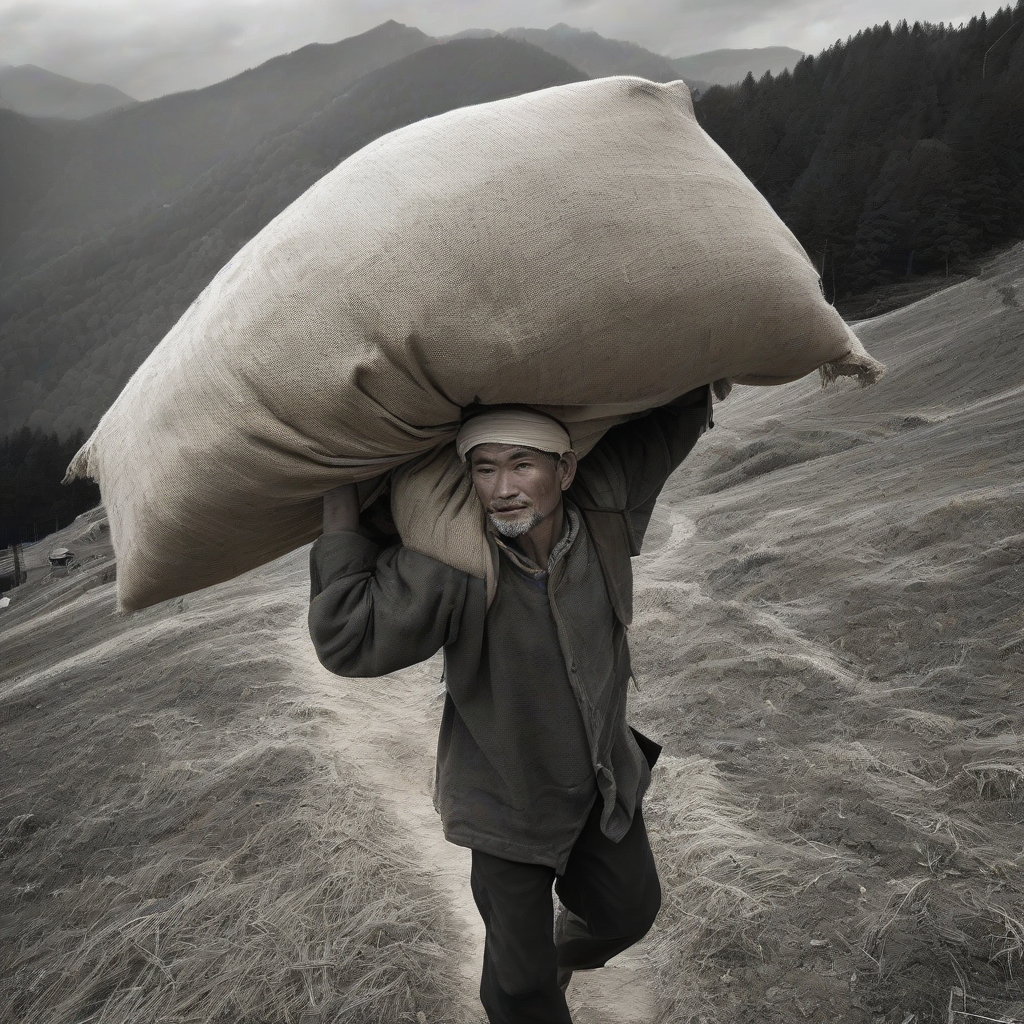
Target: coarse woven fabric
(586,249)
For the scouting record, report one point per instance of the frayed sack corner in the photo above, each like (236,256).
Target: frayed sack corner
(860,365)
(81,467)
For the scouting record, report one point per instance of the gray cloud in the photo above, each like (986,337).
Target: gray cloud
(148,49)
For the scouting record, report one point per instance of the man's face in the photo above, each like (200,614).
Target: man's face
(519,487)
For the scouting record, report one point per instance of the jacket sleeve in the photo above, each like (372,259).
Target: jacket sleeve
(374,611)
(629,466)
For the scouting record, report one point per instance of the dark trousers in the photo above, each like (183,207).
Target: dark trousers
(612,892)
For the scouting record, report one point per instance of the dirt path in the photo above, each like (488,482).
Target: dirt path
(388,727)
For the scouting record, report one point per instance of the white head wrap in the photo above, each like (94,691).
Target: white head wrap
(513,426)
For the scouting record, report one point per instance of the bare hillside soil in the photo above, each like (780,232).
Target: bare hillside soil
(200,824)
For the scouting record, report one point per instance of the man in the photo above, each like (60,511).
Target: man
(537,770)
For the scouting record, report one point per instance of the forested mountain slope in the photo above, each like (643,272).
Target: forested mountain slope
(896,152)
(29,157)
(72,333)
(117,163)
(36,92)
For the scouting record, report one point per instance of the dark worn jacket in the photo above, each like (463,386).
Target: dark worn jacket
(534,724)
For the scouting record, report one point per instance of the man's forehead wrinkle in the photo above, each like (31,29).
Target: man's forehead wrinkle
(492,452)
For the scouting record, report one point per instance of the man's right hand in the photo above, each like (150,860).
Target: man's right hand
(341,508)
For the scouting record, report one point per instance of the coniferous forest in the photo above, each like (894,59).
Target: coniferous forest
(895,153)
(895,156)
(33,502)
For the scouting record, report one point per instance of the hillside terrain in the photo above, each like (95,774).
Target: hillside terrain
(184,837)
(594,54)
(36,92)
(29,157)
(848,687)
(828,640)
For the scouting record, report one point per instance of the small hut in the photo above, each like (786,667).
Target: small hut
(62,561)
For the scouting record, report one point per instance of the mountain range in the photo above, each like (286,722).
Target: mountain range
(593,54)
(597,56)
(36,92)
(886,154)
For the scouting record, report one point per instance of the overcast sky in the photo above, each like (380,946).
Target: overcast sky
(148,48)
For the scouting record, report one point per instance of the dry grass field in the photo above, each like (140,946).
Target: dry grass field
(830,641)
(201,825)
(182,839)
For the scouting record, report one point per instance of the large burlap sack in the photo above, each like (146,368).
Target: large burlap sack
(587,248)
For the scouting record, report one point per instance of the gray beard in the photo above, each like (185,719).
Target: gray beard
(516,528)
